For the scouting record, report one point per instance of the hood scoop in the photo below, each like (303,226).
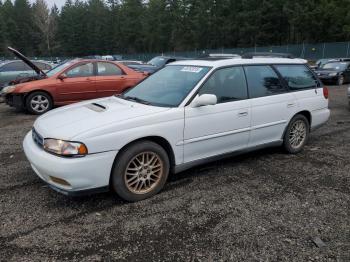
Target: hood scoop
(96,107)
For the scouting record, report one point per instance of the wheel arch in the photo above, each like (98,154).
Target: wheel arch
(25,96)
(161,141)
(305,113)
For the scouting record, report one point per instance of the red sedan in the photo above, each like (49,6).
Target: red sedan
(69,82)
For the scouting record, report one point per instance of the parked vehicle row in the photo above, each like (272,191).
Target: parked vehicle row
(67,83)
(187,113)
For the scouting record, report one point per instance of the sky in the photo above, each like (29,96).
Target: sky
(50,3)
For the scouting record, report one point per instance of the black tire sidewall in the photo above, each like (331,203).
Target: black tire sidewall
(29,98)
(286,142)
(121,162)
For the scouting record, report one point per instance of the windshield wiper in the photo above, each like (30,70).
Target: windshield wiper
(136,99)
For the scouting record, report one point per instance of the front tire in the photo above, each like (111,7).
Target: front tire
(38,103)
(140,171)
(296,135)
(340,81)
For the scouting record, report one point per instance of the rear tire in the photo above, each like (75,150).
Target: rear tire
(296,135)
(38,103)
(140,171)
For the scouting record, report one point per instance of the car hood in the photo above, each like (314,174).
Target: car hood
(27,61)
(68,122)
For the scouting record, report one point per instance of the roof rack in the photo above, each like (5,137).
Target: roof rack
(267,54)
(214,57)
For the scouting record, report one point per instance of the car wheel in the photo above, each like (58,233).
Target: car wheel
(140,171)
(297,134)
(39,103)
(340,80)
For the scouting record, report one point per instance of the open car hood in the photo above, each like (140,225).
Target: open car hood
(27,61)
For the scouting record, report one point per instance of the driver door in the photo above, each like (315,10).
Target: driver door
(222,128)
(79,84)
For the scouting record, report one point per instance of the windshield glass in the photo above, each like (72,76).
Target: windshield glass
(335,66)
(157,61)
(58,68)
(168,87)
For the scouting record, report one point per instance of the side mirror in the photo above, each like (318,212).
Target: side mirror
(204,100)
(62,76)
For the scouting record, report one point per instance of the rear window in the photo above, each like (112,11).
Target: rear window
(297,76)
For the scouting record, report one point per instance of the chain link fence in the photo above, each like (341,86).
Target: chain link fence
(311,52)
(307,51)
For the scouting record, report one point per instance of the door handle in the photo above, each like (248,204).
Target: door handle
(244,113)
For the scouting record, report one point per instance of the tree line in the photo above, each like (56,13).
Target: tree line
(131,26)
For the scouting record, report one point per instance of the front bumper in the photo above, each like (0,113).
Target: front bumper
(15,100)
(83,174)
(328,79)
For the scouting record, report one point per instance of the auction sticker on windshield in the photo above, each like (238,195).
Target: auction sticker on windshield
(192,69)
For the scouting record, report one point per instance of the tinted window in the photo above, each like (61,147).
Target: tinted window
(108,69)
(263,81)
(169,86)
(227,84)
(297,76)
(84,70)
(13,66)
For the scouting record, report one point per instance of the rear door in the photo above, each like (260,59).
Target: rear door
(217,129)
(307,90)
(271,103)
(78,85)
(110,79)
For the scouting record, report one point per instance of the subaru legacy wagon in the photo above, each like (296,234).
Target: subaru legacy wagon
(188,113)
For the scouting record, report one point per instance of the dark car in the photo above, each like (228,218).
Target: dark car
(335,72)
(155,64)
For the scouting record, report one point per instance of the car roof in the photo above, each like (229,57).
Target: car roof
(240,61)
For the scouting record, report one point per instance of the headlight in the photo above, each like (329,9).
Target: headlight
(333,74)
(64,148)
(8,89)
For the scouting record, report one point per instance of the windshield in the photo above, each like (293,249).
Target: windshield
(168,87)
(335,66)
(58,68)
(157,61)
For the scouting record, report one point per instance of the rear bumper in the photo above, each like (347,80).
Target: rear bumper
(319,118)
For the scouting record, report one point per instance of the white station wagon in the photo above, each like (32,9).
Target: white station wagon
(186,114)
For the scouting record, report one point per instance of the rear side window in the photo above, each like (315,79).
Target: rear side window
(263,81)
(297,76)
(227,84)
(108,69)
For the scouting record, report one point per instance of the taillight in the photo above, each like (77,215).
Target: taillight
(325,92)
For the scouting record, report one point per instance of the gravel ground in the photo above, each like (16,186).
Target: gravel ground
(261,206)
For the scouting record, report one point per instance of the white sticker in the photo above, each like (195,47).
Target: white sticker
(192,69)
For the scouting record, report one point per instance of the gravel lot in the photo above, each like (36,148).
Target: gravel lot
(262,206)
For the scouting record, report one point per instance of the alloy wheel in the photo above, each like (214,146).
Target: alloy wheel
(297,134)
(39,103)
(143,172)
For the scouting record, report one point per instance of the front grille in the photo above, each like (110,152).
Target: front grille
(38,139)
